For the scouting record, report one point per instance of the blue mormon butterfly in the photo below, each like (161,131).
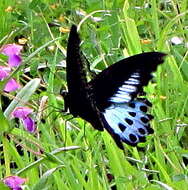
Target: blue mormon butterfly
(110,101)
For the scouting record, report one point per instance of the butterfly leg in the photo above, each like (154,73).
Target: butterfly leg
(66,100)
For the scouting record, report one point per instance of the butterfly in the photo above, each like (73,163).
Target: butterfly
(111,100)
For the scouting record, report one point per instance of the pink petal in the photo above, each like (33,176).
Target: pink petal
(11,85)
(13,52)
(14,60)
(29,124)
(11,49)
(22,112)
(4,72)
(14,182)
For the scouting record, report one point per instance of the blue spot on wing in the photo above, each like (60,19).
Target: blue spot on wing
(129,124)
(127,89)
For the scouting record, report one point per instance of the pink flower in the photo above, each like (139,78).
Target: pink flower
(11,85)
(4,72)
(13,52)
(23,114)
(14,182)
(14,60)
(29,124)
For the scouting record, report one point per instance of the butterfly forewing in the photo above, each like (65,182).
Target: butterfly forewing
(110,100)
(125,79)
(78,98)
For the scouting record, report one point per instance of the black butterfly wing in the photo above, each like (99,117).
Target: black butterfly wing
(128,75)
(78,99)
(115,92)
(110,100)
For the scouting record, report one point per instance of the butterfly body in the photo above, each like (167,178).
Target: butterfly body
(109,101)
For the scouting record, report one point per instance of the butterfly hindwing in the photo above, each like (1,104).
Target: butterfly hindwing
(110,100)
(127,122)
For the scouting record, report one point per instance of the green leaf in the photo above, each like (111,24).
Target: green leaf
(42,183)
(34,4)
(52,158)
(23,96)
(4,123)
(3,186)
(3,57)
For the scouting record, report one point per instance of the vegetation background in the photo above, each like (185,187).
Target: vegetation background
(70,154)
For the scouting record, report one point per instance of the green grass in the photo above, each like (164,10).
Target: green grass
(161,162)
